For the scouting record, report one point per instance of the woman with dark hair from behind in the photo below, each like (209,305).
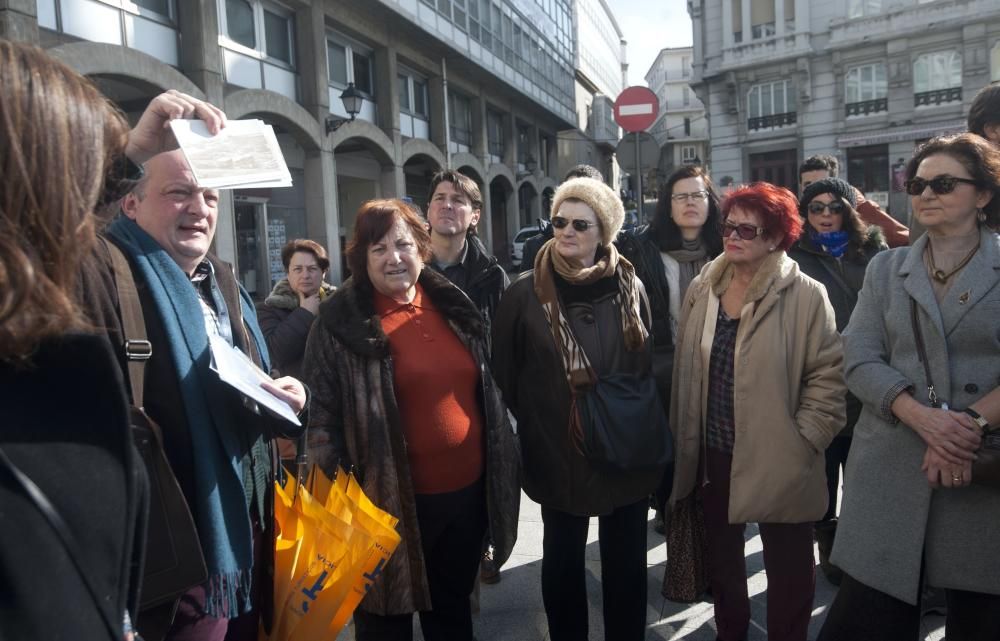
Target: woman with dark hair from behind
(63,411)
(984,113)
(668,253)
(835,249)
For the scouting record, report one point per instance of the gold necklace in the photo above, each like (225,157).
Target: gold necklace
(942,276)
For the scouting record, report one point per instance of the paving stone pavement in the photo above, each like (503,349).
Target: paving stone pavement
(512,609)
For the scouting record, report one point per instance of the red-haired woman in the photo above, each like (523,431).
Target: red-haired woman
(399,370)
(758,394)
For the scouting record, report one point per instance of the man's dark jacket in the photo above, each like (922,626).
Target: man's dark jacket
(482,278)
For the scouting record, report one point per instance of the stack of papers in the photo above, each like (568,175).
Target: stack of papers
(245,154)
(235,368)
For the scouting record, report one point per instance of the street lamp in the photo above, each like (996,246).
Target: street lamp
(352,99)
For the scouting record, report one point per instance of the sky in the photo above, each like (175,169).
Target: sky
(648,26)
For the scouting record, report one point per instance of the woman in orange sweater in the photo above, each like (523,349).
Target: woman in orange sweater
(398,367)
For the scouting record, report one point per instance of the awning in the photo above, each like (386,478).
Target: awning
(898,134)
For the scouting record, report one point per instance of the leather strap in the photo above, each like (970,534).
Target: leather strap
(136,345)
(922,353)
(38,498)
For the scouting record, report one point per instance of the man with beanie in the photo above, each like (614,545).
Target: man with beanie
(574,318)
(822,166)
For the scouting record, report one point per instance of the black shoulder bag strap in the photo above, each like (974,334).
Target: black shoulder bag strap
(38,498)
(922,355)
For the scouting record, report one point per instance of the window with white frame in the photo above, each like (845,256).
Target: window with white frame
(862,8)
(159,7)
(937,71)
(495,133)
(413,93)
(771,98)
(266,28)
(688,153)
(461,118)
(348,61)
(866,82)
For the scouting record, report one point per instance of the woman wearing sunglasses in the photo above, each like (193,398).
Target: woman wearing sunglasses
(911,512)
(835,249)
(758,394)
(578,314)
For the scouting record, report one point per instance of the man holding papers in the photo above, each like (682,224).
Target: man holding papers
(217,440)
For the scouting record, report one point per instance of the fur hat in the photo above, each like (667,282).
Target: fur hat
(602,199)
(839,188)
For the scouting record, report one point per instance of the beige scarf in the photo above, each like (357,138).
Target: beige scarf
(611,263)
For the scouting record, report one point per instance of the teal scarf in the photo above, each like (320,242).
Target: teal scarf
(221,509)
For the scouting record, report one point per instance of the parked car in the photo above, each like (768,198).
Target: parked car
(517,247)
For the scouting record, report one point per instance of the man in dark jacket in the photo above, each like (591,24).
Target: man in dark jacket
(216,440)
(453,211)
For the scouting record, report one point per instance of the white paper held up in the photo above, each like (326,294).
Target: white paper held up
(244,154)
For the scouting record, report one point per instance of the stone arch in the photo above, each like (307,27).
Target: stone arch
(96,58)
(373,138)
(422,147)
(548,183)
(289,114)
(465,159)
(500,170)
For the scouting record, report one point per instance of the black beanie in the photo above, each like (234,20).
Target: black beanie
(839,188)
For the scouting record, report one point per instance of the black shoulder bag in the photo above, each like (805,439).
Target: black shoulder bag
(176,563)
(986,467)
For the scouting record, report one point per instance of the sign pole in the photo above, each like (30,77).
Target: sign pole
(638,180)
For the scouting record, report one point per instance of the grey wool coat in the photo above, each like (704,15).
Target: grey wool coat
(357,422)
(891,520)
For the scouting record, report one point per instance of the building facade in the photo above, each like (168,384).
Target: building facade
(599,60)
(483,86)
(681,128)
(864,80)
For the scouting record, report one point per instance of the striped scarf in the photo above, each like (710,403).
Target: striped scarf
(611,264)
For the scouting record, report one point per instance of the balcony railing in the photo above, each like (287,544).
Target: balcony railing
(937,97)
(771,122)
(866,107)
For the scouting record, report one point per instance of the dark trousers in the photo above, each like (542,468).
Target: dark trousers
(788,562)
(862,613)
(622,540)
(192,623)
(452,530)
(836,460)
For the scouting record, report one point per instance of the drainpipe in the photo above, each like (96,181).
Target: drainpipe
(447,115)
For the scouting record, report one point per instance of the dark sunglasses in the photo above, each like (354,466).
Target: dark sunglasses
(836,207)
(580,225)
(744,230)
(943,184)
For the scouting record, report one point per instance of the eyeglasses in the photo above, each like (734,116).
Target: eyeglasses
(579,225)
(943,184)
(836,207)
(694,195)
(744,230)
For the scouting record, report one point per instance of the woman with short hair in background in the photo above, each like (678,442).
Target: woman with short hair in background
(758,394)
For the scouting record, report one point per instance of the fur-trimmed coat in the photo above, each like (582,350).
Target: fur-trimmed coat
(286,325)
(788,391)
(355,420)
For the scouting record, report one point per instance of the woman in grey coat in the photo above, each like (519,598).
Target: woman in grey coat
(912,508)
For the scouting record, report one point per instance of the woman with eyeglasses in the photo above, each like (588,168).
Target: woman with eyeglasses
(576,315)
(835,249)
(922,352)
(758,394)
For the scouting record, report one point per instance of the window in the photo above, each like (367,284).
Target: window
(687,96)
(495,133)
(867,82)
(936,71)
(347,62)
(762,18)
(685,67)
(413,94)
(737,11)
(161,7)
(687,126)
(861,8)
(688,153)
(245,20)
(771,105)
(461,119)
(868,168)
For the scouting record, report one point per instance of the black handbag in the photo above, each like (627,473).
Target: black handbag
(986,467)
(622,423)
(177,563)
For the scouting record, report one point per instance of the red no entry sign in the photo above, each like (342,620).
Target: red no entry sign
(636,109)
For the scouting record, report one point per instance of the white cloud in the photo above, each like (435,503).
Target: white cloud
(648,26)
